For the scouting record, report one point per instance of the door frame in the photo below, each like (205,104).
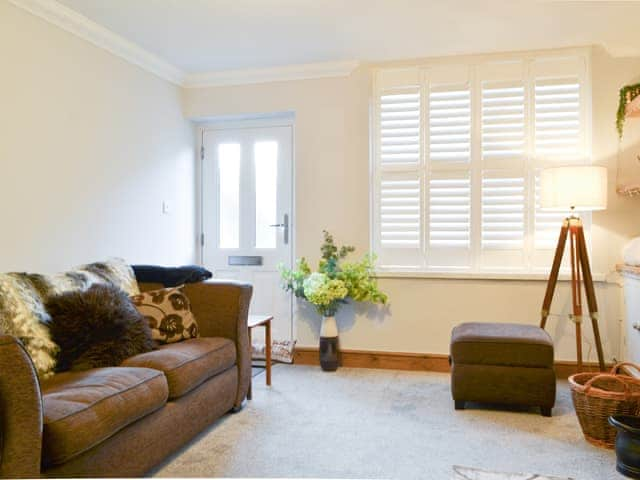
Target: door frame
(286,119)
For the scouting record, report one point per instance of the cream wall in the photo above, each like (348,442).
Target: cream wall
(90,146)
(332,171)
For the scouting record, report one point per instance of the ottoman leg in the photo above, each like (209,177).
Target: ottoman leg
(459,404)
(545,411)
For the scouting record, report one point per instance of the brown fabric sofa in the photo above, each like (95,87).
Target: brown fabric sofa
(122,421)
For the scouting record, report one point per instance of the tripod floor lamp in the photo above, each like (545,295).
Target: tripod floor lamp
(574,189)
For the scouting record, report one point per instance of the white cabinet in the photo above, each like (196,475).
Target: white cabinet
(631,343)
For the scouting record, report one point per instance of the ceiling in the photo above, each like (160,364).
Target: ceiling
(217,35)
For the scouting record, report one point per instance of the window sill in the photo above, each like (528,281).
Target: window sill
(508,276)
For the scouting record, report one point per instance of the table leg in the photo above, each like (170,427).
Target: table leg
(250,359)
(268,350)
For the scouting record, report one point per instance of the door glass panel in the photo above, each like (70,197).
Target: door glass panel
(229,201)
(266,168)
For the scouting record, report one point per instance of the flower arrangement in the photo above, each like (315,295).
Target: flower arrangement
(335,281)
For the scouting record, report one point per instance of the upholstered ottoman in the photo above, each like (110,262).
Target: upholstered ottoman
(502,363)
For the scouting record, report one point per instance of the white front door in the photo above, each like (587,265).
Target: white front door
(247,222)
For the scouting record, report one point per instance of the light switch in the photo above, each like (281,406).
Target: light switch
(165,207)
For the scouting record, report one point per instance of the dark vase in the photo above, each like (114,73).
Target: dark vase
(329,353)
(627,444)
(329,344)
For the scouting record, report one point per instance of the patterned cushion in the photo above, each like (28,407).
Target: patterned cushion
(23,296)
(168,312)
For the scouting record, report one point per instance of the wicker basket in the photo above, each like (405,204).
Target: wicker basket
(596,396)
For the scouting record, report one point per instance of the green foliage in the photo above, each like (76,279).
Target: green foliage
(331,255)
(627,94)
(360,281)
(335,281)
(293,279)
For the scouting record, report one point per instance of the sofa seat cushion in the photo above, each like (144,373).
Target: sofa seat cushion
(189,363)
(501,344)
(84,408)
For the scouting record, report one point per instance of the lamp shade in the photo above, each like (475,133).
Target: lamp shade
(580,187)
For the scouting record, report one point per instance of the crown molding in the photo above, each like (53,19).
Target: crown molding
(79,25)
(305,71)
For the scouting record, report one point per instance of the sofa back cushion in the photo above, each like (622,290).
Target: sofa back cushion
(23,297)
(188,364)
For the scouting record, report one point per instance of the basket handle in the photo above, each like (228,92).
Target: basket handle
(589,384)
(617,366)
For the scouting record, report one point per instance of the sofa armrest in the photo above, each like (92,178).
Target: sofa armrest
(221,308)
(20,412)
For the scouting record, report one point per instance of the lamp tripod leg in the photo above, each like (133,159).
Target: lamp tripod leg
(590,294)
(553,275)
(576,293)
(579,347)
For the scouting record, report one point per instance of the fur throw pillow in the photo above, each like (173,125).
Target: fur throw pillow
(99,327)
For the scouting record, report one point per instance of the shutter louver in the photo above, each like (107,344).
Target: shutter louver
(502,212)
(503,130)
(557,118)
(450,212)
(450,125)
(400,128)
(400,212)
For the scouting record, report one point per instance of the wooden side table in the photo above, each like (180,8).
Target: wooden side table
(262,321)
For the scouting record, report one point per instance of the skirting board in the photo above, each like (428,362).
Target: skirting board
(432,362)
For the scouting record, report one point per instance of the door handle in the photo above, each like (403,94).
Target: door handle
(285,225)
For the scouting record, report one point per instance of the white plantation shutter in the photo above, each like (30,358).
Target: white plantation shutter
(557,118)
(559,138)
(400,128)
(503,138)
(400,212)
(457,151)
(503,185)
(503,212)
(449,211)
(558,134)
(449,125)
(449,178)
(503,122)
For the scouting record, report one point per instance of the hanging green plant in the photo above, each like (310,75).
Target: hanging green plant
(627,93)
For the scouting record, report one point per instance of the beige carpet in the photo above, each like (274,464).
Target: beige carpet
(360,423)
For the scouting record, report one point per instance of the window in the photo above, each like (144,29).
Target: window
(457,151)
(266,178)
(229,166)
